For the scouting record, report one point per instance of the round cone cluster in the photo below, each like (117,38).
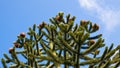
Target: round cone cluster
(17,45)
(11,50)
(22,34)
(95,27)
(58,18)
(42,25)
(91,42)
(83,22)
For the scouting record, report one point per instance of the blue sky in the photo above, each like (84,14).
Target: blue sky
(17,15)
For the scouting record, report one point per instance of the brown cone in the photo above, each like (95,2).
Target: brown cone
(22,34)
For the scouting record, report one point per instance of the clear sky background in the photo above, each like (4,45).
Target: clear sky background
(17,15)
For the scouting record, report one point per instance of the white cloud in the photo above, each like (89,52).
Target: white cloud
(107,15)
(90,5)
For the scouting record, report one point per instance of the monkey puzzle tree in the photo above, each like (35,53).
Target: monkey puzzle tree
(62,42)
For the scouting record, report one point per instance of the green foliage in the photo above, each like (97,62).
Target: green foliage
(62,43)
